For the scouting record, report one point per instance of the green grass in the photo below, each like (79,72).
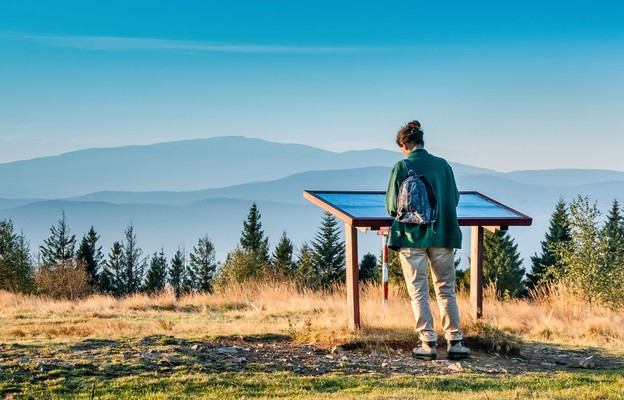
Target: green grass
(117,369)
(228,385)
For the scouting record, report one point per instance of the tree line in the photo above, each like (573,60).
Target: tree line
(578,251)
(66,268)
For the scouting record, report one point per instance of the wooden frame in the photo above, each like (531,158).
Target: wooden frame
(354,223)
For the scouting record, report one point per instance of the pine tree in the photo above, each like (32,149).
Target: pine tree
(282,259)
(613,234)
(329,252)
(368,269)
(203,264)
(612,237)
(59,246)
(156,277)
(90,255)
(502,264)
(558,232)
(305,274)
(16,267)
(133,266)
(111,279)
(252,237)
(177,273)
(240,266)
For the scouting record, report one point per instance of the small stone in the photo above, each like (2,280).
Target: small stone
(344,358)
(574,363)
(170,360)
(337,349)
(384,365)
(547,364)
(329,356)
(456,367)
(374,353)
(196,347)
(588,363)
(227,350)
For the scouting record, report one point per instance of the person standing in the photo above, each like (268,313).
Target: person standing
(420,245)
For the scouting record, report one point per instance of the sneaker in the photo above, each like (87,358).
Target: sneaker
(457,350)
(426,351)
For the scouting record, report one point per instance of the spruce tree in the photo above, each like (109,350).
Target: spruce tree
(59,246)
(90,255)
(368,269)
(252,237)
(329,252)
(240,266)
(502,265)
(282,259)
(177,273)
(16,267)
(613,236)
(203,264)
(111,279)
(305,274)
(133,266)
(156,276)
(558,232)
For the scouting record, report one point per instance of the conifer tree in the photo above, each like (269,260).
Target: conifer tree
(613,234)
(240,266)
(90,255)
(133,266)
(329,252)
(558,232)
(368,269)
(282,259)
(305,274)
(156,276)
(111,279)
(502,265)
(16,267)
(59,246)
(203,264)
(177,273)
(252,237)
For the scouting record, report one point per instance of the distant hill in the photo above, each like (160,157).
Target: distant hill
(174,166)
(242,171)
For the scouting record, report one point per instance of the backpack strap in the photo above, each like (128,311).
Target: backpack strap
(409,167)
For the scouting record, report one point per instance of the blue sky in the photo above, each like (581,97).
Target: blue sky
(504,85)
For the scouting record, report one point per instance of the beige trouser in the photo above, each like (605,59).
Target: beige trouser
(414,263)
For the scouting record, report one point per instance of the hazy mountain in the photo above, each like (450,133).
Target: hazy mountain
(565,177)
(173,166)
(165,226)
(170,218)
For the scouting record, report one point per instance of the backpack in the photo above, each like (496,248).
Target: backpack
(417,202)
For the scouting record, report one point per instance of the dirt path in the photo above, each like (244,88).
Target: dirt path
(108,358)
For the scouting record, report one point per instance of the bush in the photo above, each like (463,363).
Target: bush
(66,279)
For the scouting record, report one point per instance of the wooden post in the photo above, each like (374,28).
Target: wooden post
(476,272)
(353,288)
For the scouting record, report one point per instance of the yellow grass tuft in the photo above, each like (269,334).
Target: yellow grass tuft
(316,317)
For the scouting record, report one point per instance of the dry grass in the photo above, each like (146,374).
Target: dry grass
(308,317)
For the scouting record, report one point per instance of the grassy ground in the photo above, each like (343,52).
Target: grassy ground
(155,347)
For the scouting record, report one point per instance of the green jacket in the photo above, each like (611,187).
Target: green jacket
(445,231)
